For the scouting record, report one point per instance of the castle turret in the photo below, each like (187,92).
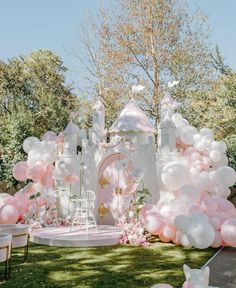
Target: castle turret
(97,133)
(71,136)
(167,128)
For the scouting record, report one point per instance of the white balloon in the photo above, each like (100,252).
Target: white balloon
(197,137)
(184,240)
(222,191)
(207,132)
(189,194)
(187,133)
(175,175)
(29,143)
(200,234)
(215,155)
(225,176)
(222,162)
(182,223)
(219,146)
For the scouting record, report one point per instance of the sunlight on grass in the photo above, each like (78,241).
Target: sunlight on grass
(105,267)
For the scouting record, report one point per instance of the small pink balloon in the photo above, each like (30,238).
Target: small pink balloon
(147,208)
(164,239)
(22,202)
(218,240)
(215,221)
(8,214)
(187,284)
(20,170)
(209,205)
(153,223)
(223,204)
(60,138)
(37,172)
(47,182)
(9,200)
(41,201)
(48,168)
(169,231)
(228,232)
(29,188)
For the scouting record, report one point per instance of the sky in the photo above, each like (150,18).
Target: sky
(27,25)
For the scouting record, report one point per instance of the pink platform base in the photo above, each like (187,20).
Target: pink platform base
(105,235)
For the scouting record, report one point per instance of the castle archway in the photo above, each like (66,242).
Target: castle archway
(115,187)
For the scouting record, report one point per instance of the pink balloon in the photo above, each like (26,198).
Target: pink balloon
(215,221)
(60,138)
(224,205)
(164,239)
(153,223)
(8,214)
(147,208)
(47,182)
(37,172)
(29,188)
(20,170)
(187,284)
(195,208)
(22,202)
(169,231)
(48,168)
(9,200)
(218,240)
(228,232)
(41,201)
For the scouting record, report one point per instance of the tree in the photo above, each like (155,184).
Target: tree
(33,99)
(216,109)
(148,42)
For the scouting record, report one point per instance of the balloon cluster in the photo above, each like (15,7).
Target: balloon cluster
(38,168)
(193,209)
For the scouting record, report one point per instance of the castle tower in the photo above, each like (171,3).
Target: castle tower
(70,141)
(97,133)
(167,129)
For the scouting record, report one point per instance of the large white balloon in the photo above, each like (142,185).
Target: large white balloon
(29,143)
(175,175)
(182,222)
(187,133)
(215,155)
(200,234)
(189,194)
(225,176)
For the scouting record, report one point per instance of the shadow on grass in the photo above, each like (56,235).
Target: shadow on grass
(105,267)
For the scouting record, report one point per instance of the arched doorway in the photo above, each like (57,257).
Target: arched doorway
(115,188)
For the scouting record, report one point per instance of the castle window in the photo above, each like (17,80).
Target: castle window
(165,140)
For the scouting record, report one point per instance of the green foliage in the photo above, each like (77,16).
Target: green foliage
(33,100)
(216,108)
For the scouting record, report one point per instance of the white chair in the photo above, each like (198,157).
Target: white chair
(5,252)
(20,236)
(84,215)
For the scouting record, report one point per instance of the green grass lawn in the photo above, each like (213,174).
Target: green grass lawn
(105,267)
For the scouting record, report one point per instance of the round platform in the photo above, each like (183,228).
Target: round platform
(104,235)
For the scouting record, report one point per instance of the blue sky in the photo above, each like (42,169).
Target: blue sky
(26,25)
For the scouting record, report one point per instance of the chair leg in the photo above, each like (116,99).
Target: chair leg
(26,250)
